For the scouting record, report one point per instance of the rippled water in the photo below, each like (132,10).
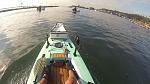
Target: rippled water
(115,50)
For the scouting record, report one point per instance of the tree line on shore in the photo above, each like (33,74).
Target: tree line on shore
(134,18)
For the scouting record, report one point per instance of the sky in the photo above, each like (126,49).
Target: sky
(141,7)
(13,3)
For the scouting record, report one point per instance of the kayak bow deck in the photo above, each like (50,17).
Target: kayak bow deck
(58,56)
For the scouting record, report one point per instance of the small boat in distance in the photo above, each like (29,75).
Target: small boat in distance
(40,8)
(74,10)
(59,61)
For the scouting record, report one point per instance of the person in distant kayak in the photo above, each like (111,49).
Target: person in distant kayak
(74,9)
(70,79)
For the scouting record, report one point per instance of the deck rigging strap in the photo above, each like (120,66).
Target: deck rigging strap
(35,80)
(47,36)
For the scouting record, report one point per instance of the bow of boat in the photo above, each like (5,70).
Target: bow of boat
(59,55)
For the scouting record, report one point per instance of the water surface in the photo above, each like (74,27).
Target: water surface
(114,50)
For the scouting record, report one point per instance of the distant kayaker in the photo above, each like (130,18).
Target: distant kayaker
(74,9)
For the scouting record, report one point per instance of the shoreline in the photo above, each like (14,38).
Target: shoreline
(142,22)
(22,7)
(139,24)
(139,20)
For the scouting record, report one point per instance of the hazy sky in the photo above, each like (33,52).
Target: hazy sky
(131,6)
(12,3)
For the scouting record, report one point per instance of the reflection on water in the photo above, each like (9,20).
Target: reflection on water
(115,50)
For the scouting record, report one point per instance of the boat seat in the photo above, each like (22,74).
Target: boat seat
(59,74)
